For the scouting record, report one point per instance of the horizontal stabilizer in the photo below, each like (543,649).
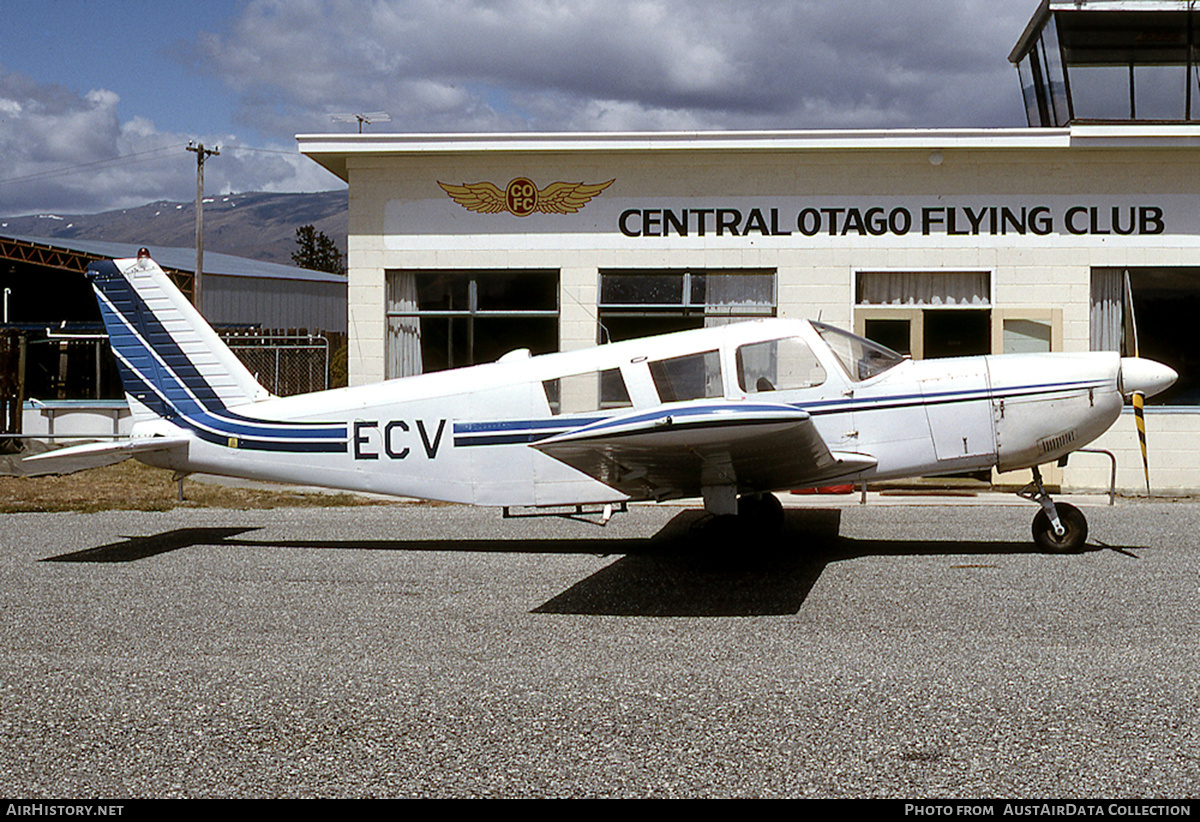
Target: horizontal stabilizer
(676,450)
(98,454)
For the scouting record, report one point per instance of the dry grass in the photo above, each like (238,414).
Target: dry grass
(130,485)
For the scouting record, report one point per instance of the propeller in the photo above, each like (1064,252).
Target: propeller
(1141,378)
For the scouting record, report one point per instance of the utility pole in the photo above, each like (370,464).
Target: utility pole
(202,154)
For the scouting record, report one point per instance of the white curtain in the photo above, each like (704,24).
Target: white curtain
(1107,309)
(404,332)
(727,295)
(924,288)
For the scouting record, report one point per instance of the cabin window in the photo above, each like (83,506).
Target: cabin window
(778,365)
(645,302)
(447,319)
(861,358)
(691,377)
(584,393)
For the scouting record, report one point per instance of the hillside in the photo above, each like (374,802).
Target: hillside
(258,225)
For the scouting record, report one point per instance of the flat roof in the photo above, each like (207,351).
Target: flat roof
(333,151)
(184,259)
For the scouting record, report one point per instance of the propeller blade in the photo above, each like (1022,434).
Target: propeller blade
(1139,413)
(1131,335)
(1141,377)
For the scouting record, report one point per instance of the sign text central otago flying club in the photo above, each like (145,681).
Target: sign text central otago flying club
(879,221)
(522,197)
(799,217)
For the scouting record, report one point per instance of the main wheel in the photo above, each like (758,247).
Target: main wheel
(1074,535)
(763,512)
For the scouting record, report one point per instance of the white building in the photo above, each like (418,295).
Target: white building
(935,242)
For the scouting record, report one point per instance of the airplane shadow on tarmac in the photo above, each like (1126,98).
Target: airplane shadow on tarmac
(683,570)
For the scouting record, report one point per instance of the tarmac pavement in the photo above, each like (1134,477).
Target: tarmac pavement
(887,650)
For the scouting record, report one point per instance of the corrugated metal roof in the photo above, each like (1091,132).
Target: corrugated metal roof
(184,259)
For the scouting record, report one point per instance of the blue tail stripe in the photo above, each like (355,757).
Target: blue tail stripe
(218,430)
(155,370)
(165,404)
(108,280)
(170,387)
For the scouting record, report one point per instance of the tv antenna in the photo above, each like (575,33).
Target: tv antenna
(367,118)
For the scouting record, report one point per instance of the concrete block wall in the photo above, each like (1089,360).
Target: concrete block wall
(815,275)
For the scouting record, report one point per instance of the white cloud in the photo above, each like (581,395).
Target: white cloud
(68,153)
(514,65)
(454,65)
(102,98)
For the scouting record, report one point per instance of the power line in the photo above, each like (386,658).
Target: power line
(75,169)
(263,150)
(125,159)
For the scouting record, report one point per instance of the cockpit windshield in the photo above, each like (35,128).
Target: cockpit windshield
(861,358)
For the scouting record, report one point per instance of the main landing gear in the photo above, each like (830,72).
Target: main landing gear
(750,513)
(1059,528)
(762,512)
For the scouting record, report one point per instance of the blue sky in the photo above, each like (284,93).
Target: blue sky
(83,82)
(137,49)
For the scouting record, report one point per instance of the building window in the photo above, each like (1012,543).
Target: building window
(1123,64)
(642,303)
(448,319)
(584,393)
(926,314)
(778,365)
(1166,302)
(690,377)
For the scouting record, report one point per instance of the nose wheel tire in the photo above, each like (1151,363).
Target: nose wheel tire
(1074,535)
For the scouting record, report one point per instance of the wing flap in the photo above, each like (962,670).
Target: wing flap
(676,450)
(98,454)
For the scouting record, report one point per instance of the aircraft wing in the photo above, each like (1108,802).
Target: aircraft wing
(99,454)
(676,450)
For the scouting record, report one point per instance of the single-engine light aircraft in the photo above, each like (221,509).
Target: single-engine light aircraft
(729,414)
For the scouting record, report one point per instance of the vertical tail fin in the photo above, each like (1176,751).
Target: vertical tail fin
(171,361)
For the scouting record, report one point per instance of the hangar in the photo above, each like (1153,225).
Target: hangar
(936,242)
(57,374)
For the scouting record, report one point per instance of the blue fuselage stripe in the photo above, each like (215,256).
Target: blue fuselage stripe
(508,432)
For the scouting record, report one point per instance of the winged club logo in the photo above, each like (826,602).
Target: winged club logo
(522,197)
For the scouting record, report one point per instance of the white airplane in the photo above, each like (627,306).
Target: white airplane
(729,414)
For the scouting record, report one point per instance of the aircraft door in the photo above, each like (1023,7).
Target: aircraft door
(959,408)
(787,371)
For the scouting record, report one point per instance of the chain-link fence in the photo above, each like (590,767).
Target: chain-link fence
(78,367)
(285,363)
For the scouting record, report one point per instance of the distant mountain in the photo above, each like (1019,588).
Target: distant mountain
(259,225)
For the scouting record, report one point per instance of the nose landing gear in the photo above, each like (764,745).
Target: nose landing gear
(1058,528)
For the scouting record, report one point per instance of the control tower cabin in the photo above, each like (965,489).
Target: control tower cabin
(1110,61)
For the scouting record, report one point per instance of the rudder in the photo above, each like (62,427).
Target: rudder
(170,360)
